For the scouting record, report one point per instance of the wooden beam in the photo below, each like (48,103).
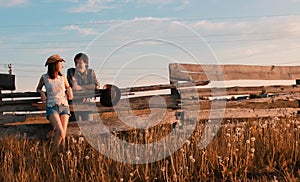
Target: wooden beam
(163,86)
(194,72)
(21,95)
(141,105)
(235,113)
(135,103)
(11,118)
(237,90)
(98,128)
(1,113)
(97,93)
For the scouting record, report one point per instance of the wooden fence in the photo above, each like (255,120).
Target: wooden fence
(188,82)
(260,101)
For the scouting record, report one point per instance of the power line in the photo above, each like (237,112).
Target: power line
(144,44)
(87,41)
(108,22)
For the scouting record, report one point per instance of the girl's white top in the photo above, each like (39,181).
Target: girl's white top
(55,89)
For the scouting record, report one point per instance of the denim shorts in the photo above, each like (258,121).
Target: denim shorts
(62,109)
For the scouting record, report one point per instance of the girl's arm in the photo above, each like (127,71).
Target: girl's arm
(69,91)
(39,89)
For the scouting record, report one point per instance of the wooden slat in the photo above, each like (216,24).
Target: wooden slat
(36,94)
(135,103)
(16,102)
(97,93)
(20,95)
(281,101)
(162,86)
(77,128)
(235,113)
(194,72)
(96,128)
(284,101)
(10,118)
(208,92)
(22,107)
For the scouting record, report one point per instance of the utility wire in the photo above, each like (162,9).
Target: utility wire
(171,19)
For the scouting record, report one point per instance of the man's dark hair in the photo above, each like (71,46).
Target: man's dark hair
(82,56)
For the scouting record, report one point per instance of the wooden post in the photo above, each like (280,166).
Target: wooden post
(174,91)
(1,113)
(298,83)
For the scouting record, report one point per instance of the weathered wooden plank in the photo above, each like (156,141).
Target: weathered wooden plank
(1,113)
(29,130)
(10,118)
(1,96)
(208,92)
(20,94)
(194,72)
(162,86)
(280,102)
(138,103)
(16,102)
(96,127)
(97,93)
(135,103)
(235,113)
(22,107)
(36,94)
(261,103)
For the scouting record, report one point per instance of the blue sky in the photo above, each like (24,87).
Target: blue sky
(265,32)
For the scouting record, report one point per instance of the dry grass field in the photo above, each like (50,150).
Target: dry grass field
(258,149)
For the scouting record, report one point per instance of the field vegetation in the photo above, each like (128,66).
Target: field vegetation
(260,149)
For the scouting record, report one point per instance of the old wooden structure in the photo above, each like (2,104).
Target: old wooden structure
(188,82)
(270,100)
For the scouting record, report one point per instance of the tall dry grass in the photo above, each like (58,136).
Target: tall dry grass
(250,150)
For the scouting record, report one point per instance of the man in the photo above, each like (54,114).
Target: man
(81,78)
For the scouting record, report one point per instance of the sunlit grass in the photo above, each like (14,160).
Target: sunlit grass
(250,150)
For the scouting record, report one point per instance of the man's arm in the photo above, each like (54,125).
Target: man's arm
(72,80)
(96,82)
(94,85)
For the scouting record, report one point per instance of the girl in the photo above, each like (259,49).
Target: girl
(58,92)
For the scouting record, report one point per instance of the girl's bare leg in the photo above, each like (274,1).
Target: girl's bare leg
(64,121)
(59,131)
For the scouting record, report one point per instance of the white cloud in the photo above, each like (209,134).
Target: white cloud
(269,39)
(83,31)
(12,3)
(274,27)
(93,6)
(155,1)
(161,1)
(208,25)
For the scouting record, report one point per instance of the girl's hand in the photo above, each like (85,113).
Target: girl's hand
(69,93)
(43,97)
